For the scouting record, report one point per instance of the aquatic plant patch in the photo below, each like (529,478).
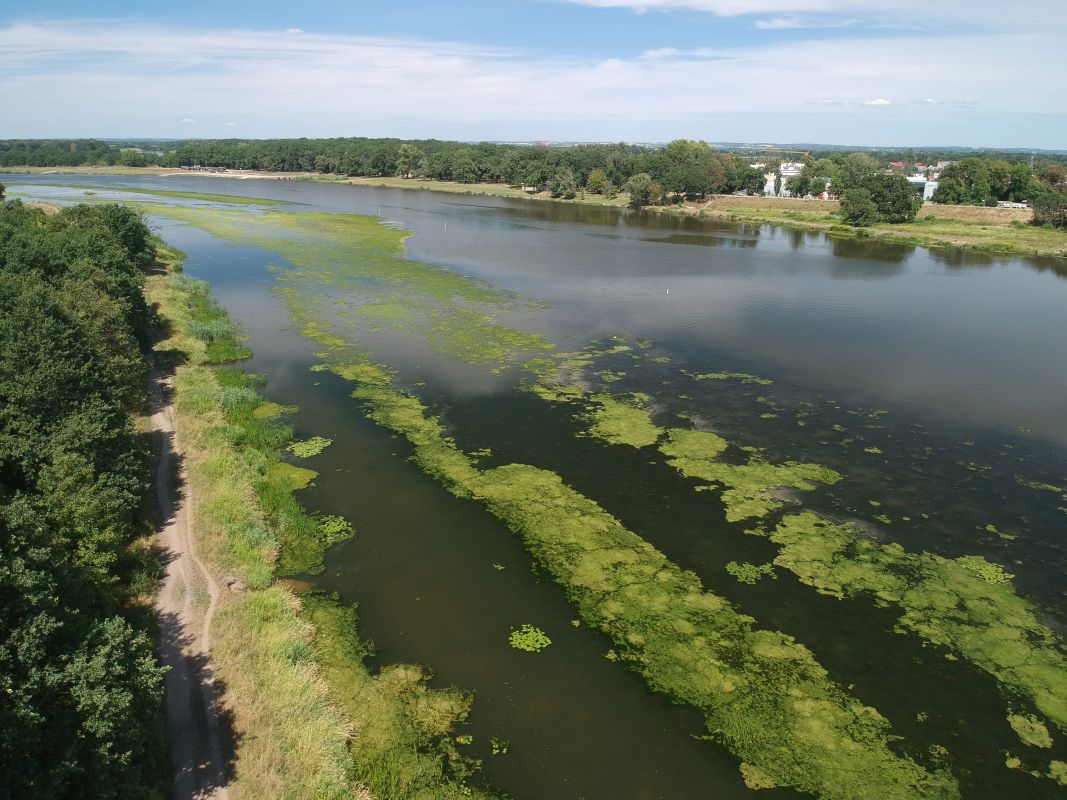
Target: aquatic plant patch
(309,447)
(750,573)
(764,696)
(966,604)
(529,638)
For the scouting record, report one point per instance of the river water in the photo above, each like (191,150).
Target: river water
(934,381)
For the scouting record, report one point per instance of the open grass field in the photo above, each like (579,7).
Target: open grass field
(993,230)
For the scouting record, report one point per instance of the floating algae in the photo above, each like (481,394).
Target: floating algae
(1031,730)
(619,422)
(965,604)
(743,377)
(747,487)
(454,314)
(529,638)
(750,573)
(309,447)
(763,694)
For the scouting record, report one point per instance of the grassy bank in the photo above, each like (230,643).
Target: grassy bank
(310,720)
(1003,231)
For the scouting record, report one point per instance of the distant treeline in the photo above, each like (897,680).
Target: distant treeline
(67,153)
(680,169)
(81,714)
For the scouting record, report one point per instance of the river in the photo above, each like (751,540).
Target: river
(933,382)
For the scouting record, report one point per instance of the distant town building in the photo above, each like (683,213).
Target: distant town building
(923,186)
(788,169)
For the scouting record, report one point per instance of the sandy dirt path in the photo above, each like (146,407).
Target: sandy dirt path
(185,607)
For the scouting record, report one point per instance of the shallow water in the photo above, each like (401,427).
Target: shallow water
(933,381)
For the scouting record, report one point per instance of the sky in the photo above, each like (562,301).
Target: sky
(857,72)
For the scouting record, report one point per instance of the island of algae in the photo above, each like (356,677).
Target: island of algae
(966,604)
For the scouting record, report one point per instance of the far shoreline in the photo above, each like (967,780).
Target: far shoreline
(994,231)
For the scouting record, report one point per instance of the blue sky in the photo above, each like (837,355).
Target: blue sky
(875,72)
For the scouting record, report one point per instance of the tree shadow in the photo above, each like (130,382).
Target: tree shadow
(200,730)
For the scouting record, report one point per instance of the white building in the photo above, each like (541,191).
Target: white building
(923,186)
(788,169)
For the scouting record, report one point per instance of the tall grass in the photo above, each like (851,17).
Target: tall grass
(310,720)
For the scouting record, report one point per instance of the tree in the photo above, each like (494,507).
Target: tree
(691,168)
(642,190)
(895,198)
(750,181)
(851,170)
(409,159)
(597,183)
(463,169)
(562,184)
(858,209)
(950,191)
(1050,208)
(2,190)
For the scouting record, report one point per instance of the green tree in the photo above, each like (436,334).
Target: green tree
(894,197)
(562,184)
(463,169)
(950,191)
(597,182)
(2,190)
(851,170)
(1050,208)
(643,190)
(858,209)
(409,159)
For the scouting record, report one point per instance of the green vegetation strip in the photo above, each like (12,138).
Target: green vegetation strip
(385,735)
(748,489)
(966,604)
(763,694)
(339,256)
(230,199)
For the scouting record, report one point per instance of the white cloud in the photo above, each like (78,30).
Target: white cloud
(295,31)
(880,101)
(722,8)
(109,78)
(787,23)
(931,101)
(186,121)
(231,124)
(901,14)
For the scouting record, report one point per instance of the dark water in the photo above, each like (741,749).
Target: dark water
(950,364)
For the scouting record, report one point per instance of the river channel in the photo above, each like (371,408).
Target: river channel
(932,383)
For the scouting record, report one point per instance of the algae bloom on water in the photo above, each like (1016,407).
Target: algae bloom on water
(530,639)
(309,447)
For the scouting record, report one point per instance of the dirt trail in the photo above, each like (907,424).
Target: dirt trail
(193,730)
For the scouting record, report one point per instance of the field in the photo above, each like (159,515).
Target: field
(992,230)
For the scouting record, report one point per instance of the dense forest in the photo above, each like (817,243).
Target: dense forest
(82,710)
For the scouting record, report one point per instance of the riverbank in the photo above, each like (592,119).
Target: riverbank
(998,231)
(308,718)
